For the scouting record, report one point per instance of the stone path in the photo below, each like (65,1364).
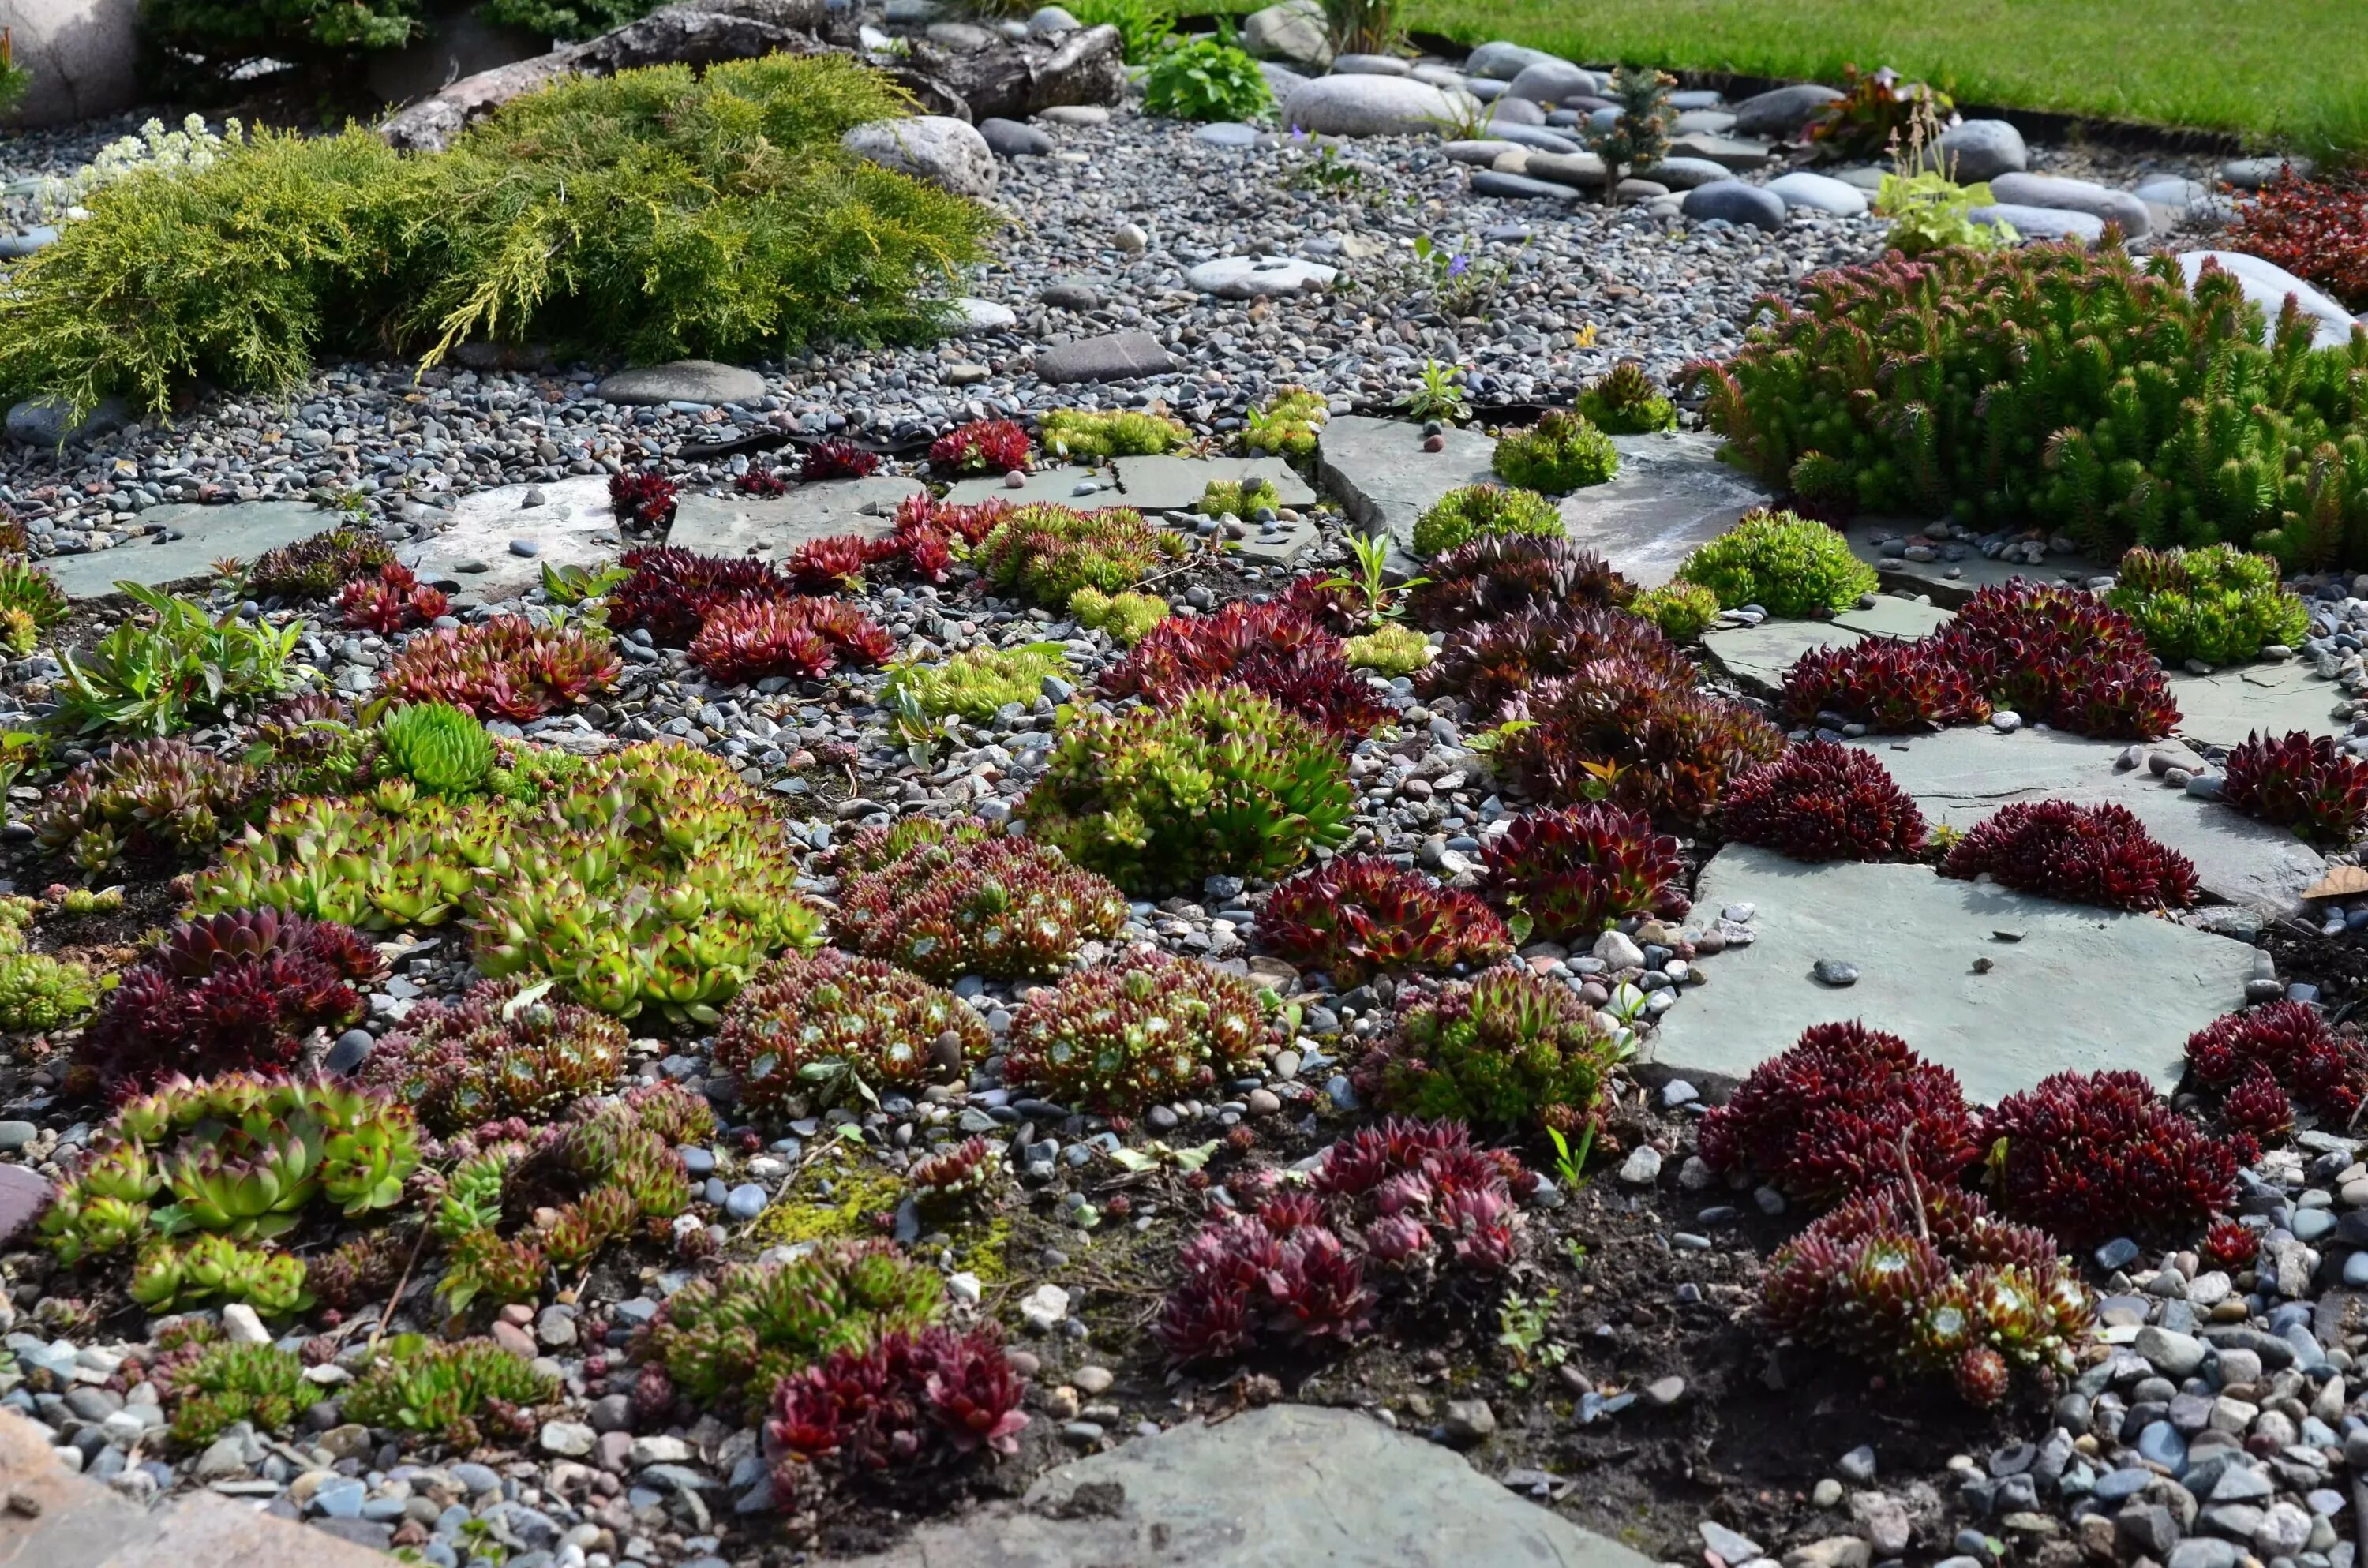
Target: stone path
(1952,583)
(1057,485)
(2074,988)
(498,544)
(242,531)
(2222,708)
(1175,484)
(1288,1486)
(1670,495)
(773,526)
(1758,656)
(1378,472)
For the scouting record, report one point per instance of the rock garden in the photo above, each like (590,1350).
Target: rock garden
(792,785)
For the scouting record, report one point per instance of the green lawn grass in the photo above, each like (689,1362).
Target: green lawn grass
(2294,71)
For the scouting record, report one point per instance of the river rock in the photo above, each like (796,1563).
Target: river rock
(1979,150)
(684,380)
(1502,62)
(1366,106)
(2076,195)
(1819,193)
(1551,81)
(1782,111)
(2267,285)
(1294,30)
(1736,202)
(943,151)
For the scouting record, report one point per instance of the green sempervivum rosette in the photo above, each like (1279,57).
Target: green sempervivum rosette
(210,1267)
(251,1180)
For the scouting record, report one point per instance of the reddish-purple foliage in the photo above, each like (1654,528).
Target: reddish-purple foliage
(1576,869)
(984,445)
(1001,907)
(2300,781)
(671,590)
(1846,1108)
(1888,686)
(2094,1155)
(390,602)
(837,457)
(2288,1041)
(645,500)
(231,993)
(969,524)
(2318,229)
(1270,648)
(1490,662)
(1620,730)
(751,639)
(504,668)
(2099,855)
(2063,655)
(1241,1280)
(760,482)
(1501,574)
(1822,801)
(836,564)
(910,1401)
(2231,1243)
(2257,1112)
(1360,916)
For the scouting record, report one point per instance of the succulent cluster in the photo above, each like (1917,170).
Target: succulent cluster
(957,1178)
(1127,617)
(981,682)
(504,668)
(644,500)
(168,1275)
(309,745)
(30,603)
(803,1023)
(2219,604)
(1393,1210)
(2063,654)
(2301,782)
(1102,433)
(503,1050)
(668,591)
(145,800)
(442,749)
(1501,574)
(1149,1027)
(995,907)
(749,639)
(1046,554)
(1159,799)
(312,570)
(1681,611)
(2313,228)
(1785,564)
(835,457)
(982,446)
(1619,730)
(1624,401)
(1928,1281)
(1270,648)
(450,1389)
(2094,1155)
(1846,1108)
(1508,1049)
(365,1268)
(1388,650)
(1482,511)
(2101,854)
(37,992)
(904,1402)
(1491,662)
(1824,800)
(728,1340)
(2288,1047)
(231,993)
(1892,688)
(1562,453)
(1237,498)
(394,600)
(1573,870)
(1360,916)
(949,524)
(259,1384)
(1286,427)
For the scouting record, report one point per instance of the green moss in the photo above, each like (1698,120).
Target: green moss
(1560,453)
(1787,565)
(831,1199)
(1478,510)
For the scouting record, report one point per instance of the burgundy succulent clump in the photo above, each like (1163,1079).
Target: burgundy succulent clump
(233,993)
(1620,730)
(490,1056)
(908,1403)
(995,906)
(2256,1112)
(1243,1280)
(970,524)
(670,590)
(2094,1155)
(2063,655)
(1331,602)
(2301,782)
(1500,575)
(1270,648)
(1576,869)
(1359,915)
(956,1177)
(835,565)
(836,457)
(392,601)
(504,668)
(751,639)
(1490,662)
(760,482)
(1846,1108)
(982,446)
(1822,801)
(2291,1045)
(2229,1243)
(644,500)
(1892,688)
(2101,854)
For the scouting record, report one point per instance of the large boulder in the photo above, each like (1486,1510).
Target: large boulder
(1781,112)
(1367,106)
(2269,285)
(82,54)
(945,151)
(1295,31)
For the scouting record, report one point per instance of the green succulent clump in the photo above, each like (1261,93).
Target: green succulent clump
(1682,610)
(1393,650)
(445,1387)
(1787,565)
(727,1341)
(169,1276)
(1110,433)
(1242,498)
(980,682)
(313,569)
(1287,425)
(1562,453)
(180,668)
(37,991)
(1510,1049)
(1225,781)
(504,1050)
(30,603)
(1625,403)
(2219,604)
(443,749)
(1480,511)
(259,1384)
(1128,616)
(1046,554)
(1150,1028)
(1207,78)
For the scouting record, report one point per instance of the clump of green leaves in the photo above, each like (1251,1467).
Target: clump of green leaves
(1437,395)
(442,749)
(1046,553)
(1930,211)
(1394,649)
(1562,453)
(13,78)
(447,1389)
(1207,78)
(311,570)
(1682,610)
(2219,604)
(1242,498)
(574,19)
(259,1384)
(1623,403)
(1128,618)
(30,603)
(1508,1049)
(178,668)
(1143,26)
(37,991)
(980,682)
(1477,511)
(1286,426)
(1788,566)
(1110,433)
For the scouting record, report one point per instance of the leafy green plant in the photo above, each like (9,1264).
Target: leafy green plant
(1477,511)
(980,682)
(1930,211)
(1570,1164)
(573,586)
(37,991)
(178,669)
(13,78)
(212,41)
(1128,618)
(1562,453)
(1152,1027)
(1391,650)
(2219,604)
(1223,497)
(1639,138)
(447,1388)
(1110,433)
(443,749)
(1786,565)
(577,19)
(1206,78)
(1682,610)
(504,1050)
(1286,424)
(1507,1049)
(1381,599)
(1876,112)
(259,1384)
(1462,282)
(1623,403)
(1438,395)
(1364,27)
(1143,26)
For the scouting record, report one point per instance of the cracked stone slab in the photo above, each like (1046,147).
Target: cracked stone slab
(1378,472)
(1169,483)
(2081,989)
(1287,1486)
(473,559)
(2224,707)
(1671,494)
(773,526)
(243,529)
(1057,485)
(1758,656)
(1960,776)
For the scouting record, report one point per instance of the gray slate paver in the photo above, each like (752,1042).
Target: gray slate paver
(2222,708)
(773,526)
(1670,495)
(1172,483)
(243,529)
(1057,485)
(1759,655)
(1378,472)
(573,527)
(1952,583)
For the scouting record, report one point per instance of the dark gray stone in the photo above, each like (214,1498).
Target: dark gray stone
(1782,111)
(1114,356)
(1671,494)
(1979,150)
(244,530)
(685,380)
(1012,139)
(1736,202)
(44,422)
(773,526)
(1551,81)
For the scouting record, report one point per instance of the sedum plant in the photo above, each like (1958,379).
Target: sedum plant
(1390,649)
(450,1389)
(1618,729)
(2094,1155)
(908,1401)
(1287,424)
(982,446)
(178,668)
(670,591)
(1623,401)
(981,683)
(504,1051)
(752,639)
(1479,511)
(169,1276)
(1149,1028)
(834,1027)
(395,600)
(1206,77)
(1787,565)
(1099,434)
(1359,915)
(37,991)
(1046,554)
(1682,611)
(259,1384)
(1238,498)
(1508,1049)
(1562,453)
(1491,664)
(1224,782)
(1127,617)
(995,906)
(2219,604)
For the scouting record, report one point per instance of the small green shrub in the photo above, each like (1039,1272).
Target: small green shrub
(980,682)
(180,669)
(2219,605)
(13,78)
(37,991)
(1508,1049)
(1930,211)
(1682,610)
(1562,453)
(1046,553)
(1786,565)
(1477,511)
(1128,618)
(1150,1028)
(445,1387)
(1639,137)
(443,749)
(1287,425)
(1393,650)
(229,37)
(1625,403)
(1110,433)
(259,1384)
(30,603)
(576,20)
(1206,78)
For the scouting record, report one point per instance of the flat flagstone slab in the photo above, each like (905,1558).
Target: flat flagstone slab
(2222,708)
(1901,620)
(1378,472)
(242,531)
(1057,485)
(1952,583)
(774,526)
(1174,484)
(477,557)
(1287,1486)
(2082,989)
(1960,776)
(1759,655)
(1670,495)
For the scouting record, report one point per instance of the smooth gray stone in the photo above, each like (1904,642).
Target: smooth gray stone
(773,526)
(1727,151)
(1369,65)
(2033,224)
(1011,139)
(1257,277)
(14,247)
(1979,150)
(1670,495)
(1378,472)
(1518,187)
(947,153)
(1294,30)
(1366,106)
(1511,110)
(1679,173)
(1553,82)
(2076,195)
(2252,174)
(1118,356)
(1479,153)
(1169,483)
(1819,193)
(2221,708)
(574,525)
(1781,111)
(1537,138)
(243,529)
(1736,202)
(1502,62)
(1227,134)
(684,380)
(1058,485)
